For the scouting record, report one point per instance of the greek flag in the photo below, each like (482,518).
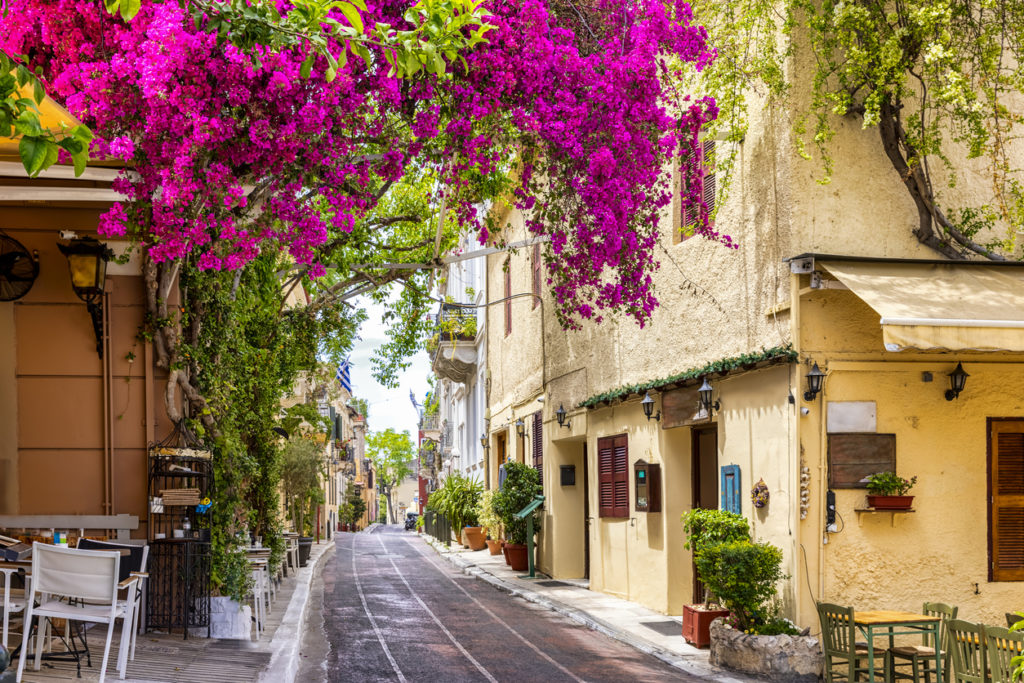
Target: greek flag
(344,375)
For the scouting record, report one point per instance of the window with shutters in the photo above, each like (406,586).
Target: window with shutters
(613,476)
(538,445)
(536,274)
(706,188)
(1006,500)
(508,301)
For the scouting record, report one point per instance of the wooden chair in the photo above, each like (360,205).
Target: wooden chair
(838,642)
(920,657)
(1002,645)
(90,576)
(966,644)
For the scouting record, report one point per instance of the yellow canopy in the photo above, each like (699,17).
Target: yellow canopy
(930,306)
(51,116)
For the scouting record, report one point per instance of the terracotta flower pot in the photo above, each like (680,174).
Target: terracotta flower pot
(475,537)
(504,551)
(517,558)
(494,547)
(890,502)
(697,623)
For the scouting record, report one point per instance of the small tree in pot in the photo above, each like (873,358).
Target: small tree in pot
(490,520)
(457,499)
(301,469)
(522,485)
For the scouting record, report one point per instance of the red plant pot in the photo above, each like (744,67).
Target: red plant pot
(890,502)
(517,557)
(504,551)
(697,623)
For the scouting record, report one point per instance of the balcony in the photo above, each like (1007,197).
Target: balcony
(455,354)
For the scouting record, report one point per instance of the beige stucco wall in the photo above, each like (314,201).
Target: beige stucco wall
(939,552)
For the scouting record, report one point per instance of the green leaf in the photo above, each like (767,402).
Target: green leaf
(307,65)
(27,123)
(37,91)
(352,14)
(129,8)
(81,160)
(34,151)
(111,5)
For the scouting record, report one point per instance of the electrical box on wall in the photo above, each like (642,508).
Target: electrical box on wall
(647,486)
(568,475)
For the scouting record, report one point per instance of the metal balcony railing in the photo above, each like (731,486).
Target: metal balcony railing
(456,322)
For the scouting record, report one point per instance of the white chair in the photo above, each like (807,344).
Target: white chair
(134,559)
(90,576)
(14,602)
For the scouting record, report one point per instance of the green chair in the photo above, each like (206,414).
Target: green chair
(920,658)
(966,644)
(845,658)
(1002,645)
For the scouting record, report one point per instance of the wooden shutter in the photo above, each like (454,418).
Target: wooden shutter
(1006,496)
(731,489)
(536,274)
(706,186)
(538,446)
(508,301)
(613,476)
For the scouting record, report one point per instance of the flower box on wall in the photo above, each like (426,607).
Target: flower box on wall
(697,623)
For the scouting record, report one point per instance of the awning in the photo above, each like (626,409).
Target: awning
(929,305)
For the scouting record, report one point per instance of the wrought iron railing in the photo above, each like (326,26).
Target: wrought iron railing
(430,422)
(437,525)
(456,322)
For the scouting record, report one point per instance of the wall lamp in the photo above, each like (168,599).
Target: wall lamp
(815,379)
(957,381)
(87,263)
(648,406)
(706,402)
(560,416)
(483,441)
(520,428)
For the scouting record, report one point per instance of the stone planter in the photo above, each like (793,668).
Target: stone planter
(229,620)
(697,623)
(784,659)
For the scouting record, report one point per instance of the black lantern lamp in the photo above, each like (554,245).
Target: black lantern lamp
(957,380)
(520,428)
(706,401)
(560,416)
(815,378)
(648,406)
(87,263)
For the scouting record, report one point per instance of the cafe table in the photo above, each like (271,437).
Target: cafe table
(891,623)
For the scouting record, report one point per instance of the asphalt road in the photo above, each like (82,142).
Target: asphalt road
(393,611)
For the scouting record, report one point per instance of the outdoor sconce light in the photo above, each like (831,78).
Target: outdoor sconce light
(957,380)
(648,406)
(520,428)
(815,378)
(483,441)
(706,402)
(560,416)
(87,262)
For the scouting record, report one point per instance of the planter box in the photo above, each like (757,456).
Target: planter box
(494,547)
(890,502)
(475,537)
(517,557)
(783,659)
(697,623)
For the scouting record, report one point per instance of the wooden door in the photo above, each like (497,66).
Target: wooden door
(704,456)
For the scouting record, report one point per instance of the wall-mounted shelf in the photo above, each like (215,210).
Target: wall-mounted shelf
(892,513)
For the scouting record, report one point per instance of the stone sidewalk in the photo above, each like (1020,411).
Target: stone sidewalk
(646,630)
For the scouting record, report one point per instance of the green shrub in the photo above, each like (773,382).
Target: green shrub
(707,527)
(744,576)
(457,499)
(487,516)
(522,485)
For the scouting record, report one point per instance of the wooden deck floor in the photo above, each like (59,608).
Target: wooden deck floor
(168,658)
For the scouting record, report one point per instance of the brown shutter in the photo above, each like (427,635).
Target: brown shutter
(690,213)
(606,497)
(508,301)
(621,477)
(1007,500)
(538,445)
(708,178)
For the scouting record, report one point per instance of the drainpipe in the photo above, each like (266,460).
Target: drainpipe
(108,410)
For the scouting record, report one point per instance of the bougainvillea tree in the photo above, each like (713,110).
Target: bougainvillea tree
(256,169)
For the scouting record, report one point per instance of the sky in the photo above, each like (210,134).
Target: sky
(387,407)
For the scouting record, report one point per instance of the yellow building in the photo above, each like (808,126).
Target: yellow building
(885,322)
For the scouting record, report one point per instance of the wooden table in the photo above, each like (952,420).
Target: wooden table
(894,623)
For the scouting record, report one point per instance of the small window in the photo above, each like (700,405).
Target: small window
(1006,500)
(707,188)
(613,476)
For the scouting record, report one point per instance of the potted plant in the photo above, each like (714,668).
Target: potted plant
(457,499)
(888,491)
(301,469)
(490,521)
(522,485)
(704,529)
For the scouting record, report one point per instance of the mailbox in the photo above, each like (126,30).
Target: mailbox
(647,486)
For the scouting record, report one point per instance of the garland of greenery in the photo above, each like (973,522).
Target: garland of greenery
(774,354)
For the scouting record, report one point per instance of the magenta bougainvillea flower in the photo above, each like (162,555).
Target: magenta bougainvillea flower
(231,156)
